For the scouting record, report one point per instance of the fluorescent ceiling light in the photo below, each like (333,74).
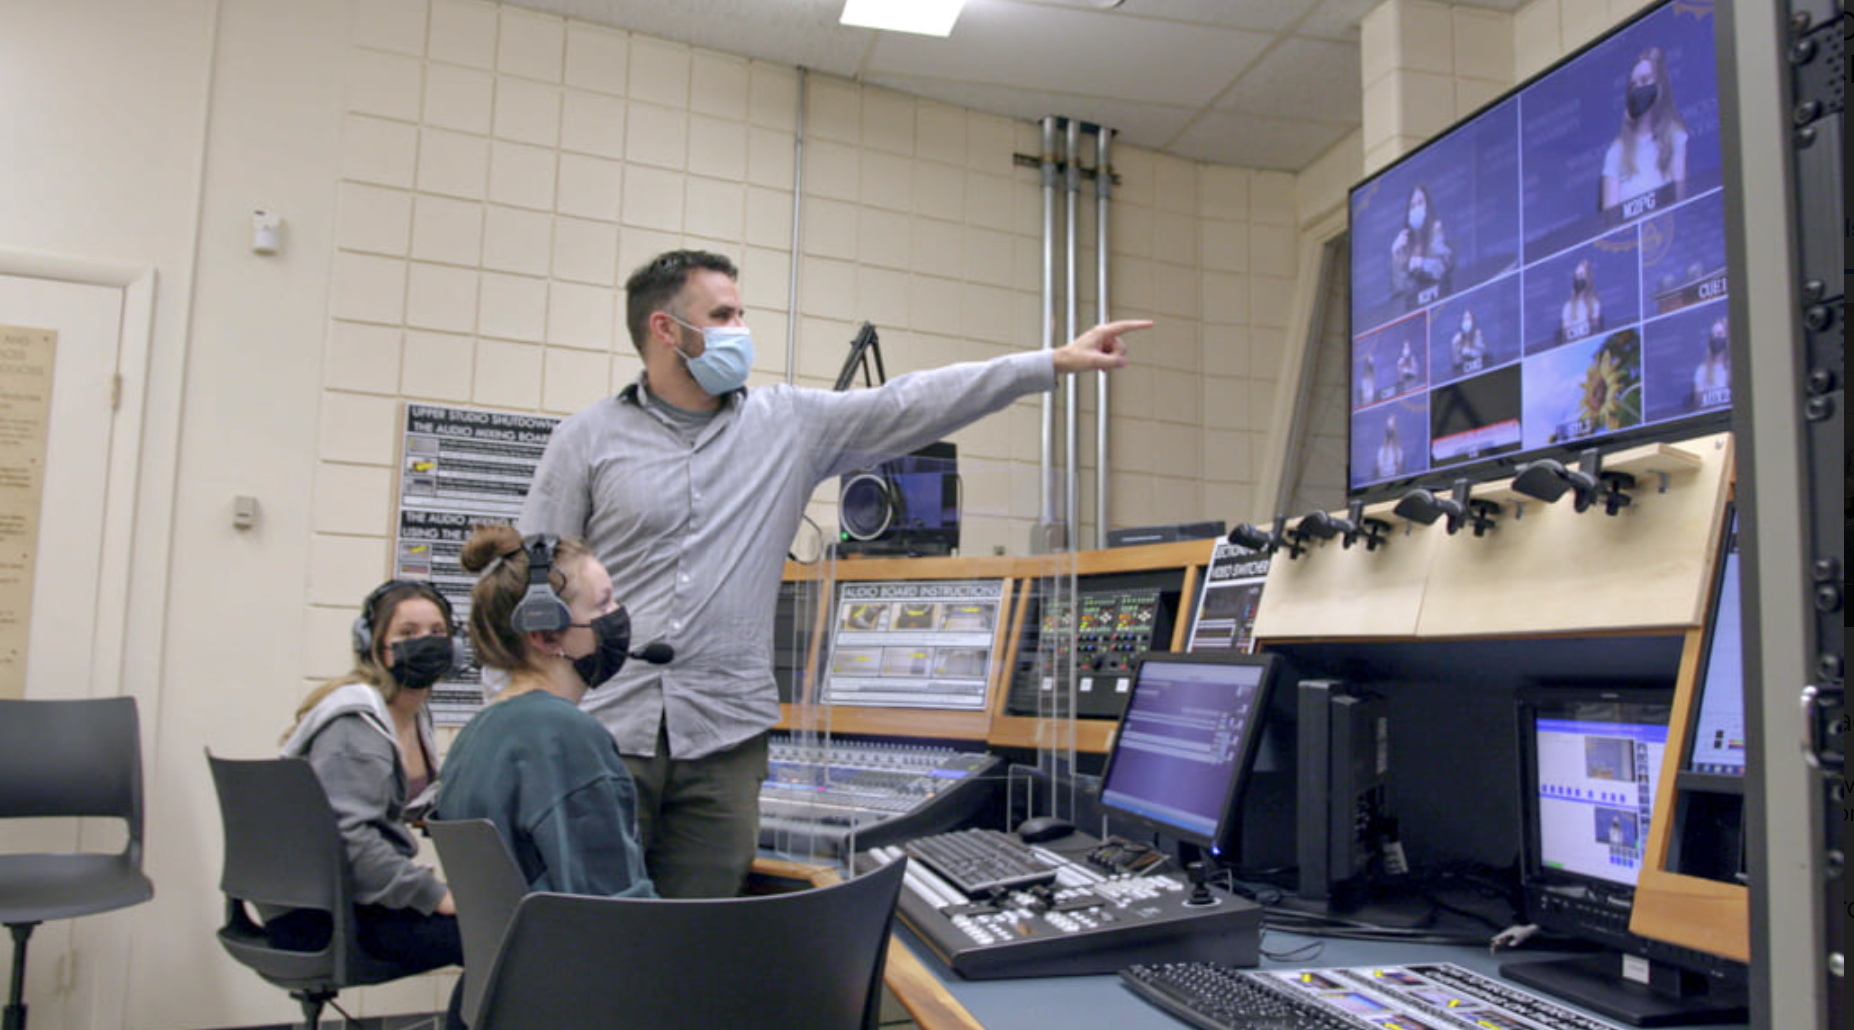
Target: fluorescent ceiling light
(922,17)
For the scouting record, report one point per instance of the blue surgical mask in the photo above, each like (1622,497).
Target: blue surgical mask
(726,357)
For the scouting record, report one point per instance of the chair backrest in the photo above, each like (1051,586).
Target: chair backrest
(282,846)
(808,960)
(487,884)
(72,758)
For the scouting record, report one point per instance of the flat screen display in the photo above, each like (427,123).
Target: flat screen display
(1187,740)
(1718,746)
(1595,766)
(1550,274)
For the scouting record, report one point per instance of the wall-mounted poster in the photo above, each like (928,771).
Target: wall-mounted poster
(1232,594)
(27,357)
(459,468)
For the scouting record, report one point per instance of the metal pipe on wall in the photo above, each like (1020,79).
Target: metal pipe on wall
(798,221)
(1047,456)
(1071,509)
(1103,193)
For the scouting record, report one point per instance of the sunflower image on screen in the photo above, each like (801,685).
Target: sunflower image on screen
(1609,396)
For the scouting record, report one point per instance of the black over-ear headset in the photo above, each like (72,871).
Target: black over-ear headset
(362,633)
(540,608)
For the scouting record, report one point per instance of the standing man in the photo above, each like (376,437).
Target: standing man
(690,488)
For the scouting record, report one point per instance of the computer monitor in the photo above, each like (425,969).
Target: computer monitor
(1187,742)
(1716,746)
(1591,759)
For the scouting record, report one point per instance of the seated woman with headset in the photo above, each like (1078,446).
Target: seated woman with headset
(547,774)
(368,736)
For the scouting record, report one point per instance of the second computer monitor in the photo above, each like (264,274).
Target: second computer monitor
(1187,742)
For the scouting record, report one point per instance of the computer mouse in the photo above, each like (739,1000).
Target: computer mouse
(1037,829)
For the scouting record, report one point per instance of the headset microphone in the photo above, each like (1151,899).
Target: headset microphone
(656,653)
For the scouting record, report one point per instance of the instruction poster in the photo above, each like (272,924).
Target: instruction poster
(27,357)
(1231,596)
(914,645)
(460,468)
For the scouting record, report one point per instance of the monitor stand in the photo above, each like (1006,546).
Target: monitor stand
(1673,997)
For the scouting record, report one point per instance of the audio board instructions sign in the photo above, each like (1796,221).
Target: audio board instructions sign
(921,644)
(459,468)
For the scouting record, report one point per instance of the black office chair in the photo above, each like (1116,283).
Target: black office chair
(58,759)
(807,960)
(284,851)
(488,885)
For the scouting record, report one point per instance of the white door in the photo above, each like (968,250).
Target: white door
(68,564)
(88,321)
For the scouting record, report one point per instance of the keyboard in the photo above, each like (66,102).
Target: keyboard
(1212,996)
(981,862)
(1088,921)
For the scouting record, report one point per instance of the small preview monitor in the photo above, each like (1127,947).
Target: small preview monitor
(1717,745)
(1187,742)
(1591,760)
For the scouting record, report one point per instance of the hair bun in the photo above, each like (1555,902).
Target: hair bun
(488,543)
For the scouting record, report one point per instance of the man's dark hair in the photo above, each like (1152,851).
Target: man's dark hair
(651,287)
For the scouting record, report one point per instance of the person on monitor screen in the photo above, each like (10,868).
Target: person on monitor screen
(1421,260)
(1615,830)
(1650,150)
(1712,378)
(1390,451)
(1468,347)
(689,488)
(1367,379)
(1582,313)
(1409,370)
(545,773)
(368,736)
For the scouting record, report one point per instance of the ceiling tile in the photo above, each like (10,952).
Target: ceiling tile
(1085,53)
(1145,125)
(1314,79)
(1253,141)
(1257,15)
(1337,19)
(800,33)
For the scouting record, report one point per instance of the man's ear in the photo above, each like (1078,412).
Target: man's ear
(546,641)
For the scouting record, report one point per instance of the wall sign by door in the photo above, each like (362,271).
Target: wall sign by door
(27,358)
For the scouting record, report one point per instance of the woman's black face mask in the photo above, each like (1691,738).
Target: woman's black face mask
(613,634)
(418,662)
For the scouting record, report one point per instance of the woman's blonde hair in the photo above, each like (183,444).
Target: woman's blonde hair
(496,553)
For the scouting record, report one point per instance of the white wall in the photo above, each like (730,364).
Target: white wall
(464,186)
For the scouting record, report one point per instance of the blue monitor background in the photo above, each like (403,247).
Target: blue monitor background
(1495,311)
(1676,351)
(1531,167)
(1471,177)
(1612,266)
(1683,256)
(1571,118)
(1185,743)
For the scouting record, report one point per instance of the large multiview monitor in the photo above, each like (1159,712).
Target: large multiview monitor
(1591,763)
(1550,274)
(1187,742)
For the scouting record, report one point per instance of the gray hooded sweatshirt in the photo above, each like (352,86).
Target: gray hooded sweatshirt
(348,738)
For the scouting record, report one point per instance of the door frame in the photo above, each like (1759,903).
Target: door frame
(136,333)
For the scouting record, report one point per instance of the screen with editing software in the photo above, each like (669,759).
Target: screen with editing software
(1549,274)
(1596,762)
(1718,746)
(1186,742)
